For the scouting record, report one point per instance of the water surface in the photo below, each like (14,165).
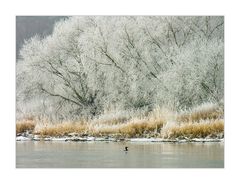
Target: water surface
(30,154)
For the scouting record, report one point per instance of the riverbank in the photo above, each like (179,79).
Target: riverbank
(204,123)
(76,138)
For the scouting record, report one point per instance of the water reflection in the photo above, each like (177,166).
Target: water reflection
(112,155)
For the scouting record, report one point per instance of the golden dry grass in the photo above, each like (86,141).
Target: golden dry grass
(104,130)
(136,127)
(63,129)
(133,128)
(196,130)
(139,128)
(25,125)
(112,121)
(200,122)
(199,114)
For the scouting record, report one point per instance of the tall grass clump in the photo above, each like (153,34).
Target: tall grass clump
(213,129)
(25,125)
(63,129)
(202,112)
(141,128)
(149,126)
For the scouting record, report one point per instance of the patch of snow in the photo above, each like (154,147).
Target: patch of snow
(157,140)
(59,139)
(76,139)
(112,139)
(144,140)
(36,138)
(100,139)
(183,141)
(22,138)
(48,139)
(205,140)
(91,139)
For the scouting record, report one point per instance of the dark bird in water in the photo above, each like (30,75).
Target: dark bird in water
(126,148)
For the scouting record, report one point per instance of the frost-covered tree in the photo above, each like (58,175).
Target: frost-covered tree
(92,63)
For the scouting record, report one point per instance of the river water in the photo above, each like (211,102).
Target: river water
(30,154)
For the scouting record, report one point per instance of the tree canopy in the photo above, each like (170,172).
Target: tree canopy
(92,63)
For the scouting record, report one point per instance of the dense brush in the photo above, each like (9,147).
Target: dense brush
(203,121)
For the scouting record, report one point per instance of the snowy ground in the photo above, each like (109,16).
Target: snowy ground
(31,137)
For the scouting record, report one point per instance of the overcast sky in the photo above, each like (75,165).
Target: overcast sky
(28,26)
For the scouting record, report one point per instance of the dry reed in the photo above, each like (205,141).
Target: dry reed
(196,130)
(200,122)
(63,129)
(25,125)
(201,113)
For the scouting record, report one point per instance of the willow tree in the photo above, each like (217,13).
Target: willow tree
(97,62)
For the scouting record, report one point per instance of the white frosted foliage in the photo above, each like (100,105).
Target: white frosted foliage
(93,63)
